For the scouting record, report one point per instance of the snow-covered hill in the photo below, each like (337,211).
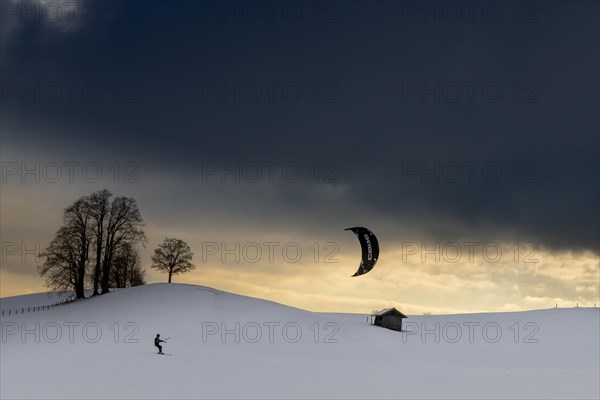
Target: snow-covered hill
(230,346)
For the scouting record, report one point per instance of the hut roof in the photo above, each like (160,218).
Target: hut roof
(390,310)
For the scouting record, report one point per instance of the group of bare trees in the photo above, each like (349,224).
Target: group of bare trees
(96,244)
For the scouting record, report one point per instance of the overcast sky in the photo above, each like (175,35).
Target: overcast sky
(433,124)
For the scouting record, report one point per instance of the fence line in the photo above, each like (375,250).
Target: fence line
(24,310)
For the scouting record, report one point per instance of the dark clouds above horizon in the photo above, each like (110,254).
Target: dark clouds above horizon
(361,58)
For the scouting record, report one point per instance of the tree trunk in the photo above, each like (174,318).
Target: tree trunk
(97,268)
(105,277)
(106,264)
(99,240)
(170,274)
(80,290)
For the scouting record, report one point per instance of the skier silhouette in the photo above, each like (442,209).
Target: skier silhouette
(157,341)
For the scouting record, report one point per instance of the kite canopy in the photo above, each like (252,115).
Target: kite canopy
(370,249)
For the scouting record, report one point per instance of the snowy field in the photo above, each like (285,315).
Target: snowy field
(229,346)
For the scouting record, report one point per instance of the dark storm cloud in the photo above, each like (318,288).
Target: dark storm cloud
(461,126)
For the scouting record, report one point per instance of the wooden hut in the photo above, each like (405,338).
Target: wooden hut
(388,318)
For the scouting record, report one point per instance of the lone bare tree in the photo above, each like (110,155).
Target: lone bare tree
(173,256)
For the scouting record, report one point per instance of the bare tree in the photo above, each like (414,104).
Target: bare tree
(136,276)
(99,209)
(127,270)
(60,266)
(68,253)
(124,226)
(173,256)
